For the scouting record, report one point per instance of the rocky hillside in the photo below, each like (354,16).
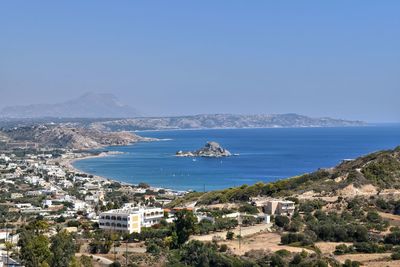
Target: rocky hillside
(374,174)
(222,121)
(64,136)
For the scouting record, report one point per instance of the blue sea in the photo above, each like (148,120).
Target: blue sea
(264,155)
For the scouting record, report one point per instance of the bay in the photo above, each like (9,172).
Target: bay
(264,155)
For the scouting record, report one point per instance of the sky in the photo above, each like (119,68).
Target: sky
(318,58)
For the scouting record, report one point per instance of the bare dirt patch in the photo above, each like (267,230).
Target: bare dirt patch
(329,247)
(392,218)
(352,191)
(264,240)
(245,231)
(367,259)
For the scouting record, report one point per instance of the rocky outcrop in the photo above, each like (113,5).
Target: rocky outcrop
(210,150)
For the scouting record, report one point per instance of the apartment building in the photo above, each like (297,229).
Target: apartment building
(130,220)
(279,207)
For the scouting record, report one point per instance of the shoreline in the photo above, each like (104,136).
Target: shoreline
(249,128)
(68,164)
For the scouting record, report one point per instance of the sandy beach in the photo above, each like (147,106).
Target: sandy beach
(68,163)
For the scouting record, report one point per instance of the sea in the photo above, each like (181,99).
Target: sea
(261,155)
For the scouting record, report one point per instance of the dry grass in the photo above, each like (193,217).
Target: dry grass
(366,259)
(329,247)
(258,241)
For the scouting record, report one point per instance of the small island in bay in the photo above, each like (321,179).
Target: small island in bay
(210,150)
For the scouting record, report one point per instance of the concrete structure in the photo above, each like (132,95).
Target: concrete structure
(279,207)
(130,220)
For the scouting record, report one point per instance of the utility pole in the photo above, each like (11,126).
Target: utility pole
(126,252)
(240,230)
(113,239)
(7,244)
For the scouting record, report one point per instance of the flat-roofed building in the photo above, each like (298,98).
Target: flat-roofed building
(279,207)
(130,220)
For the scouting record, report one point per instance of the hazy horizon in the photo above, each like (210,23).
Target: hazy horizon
(320,59)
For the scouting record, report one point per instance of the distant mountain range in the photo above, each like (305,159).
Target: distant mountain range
(105,112)
(213,121)
(89,105)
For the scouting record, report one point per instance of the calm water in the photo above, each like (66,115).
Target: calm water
(265,155)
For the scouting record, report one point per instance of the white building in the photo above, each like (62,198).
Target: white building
(130,220)
(279,207)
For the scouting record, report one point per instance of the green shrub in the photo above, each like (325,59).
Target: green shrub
(281,221)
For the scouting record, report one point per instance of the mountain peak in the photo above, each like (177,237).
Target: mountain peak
(88,105)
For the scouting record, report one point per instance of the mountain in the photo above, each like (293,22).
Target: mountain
(211,121)
(89,105)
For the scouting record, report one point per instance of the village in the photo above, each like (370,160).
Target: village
(43,185)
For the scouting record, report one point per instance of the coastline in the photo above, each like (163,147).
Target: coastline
(248,128)
(68,163)
(188,185)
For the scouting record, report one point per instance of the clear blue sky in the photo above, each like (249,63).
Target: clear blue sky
(318,58)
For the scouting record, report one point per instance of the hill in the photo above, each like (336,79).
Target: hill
(66,136)
(373,174)
(212,121)
(89,105)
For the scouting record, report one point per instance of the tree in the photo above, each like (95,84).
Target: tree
(86,261)
(115,264)
(374,217)
(277,261)
(281,221)
(184,225)
(229,235)
(63,249)
(35,250)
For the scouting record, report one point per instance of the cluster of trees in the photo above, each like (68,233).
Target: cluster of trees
(383,172)
(348,226)
(362,247)
(216,212)
(278,188)
(206,226)
(169,237)
(390,206)
(37,250)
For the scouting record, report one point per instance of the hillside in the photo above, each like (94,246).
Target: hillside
(212,121)
(64,136)
(376,173)
(89,105)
